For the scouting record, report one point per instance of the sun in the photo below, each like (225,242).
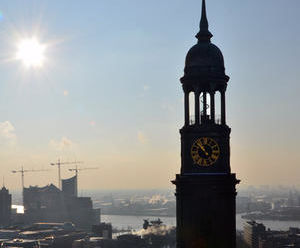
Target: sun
(31,52)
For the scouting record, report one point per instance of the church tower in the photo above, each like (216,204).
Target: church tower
(205,187)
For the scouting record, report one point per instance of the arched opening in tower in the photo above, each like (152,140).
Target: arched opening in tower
(192,107)
(218,107)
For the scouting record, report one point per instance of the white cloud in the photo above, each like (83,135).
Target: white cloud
(142,137)
(145,88)
(66,93)
(92,123)
(62,144)
(7,132)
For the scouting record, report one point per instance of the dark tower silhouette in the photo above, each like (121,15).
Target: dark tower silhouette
(5,207)
(205,188)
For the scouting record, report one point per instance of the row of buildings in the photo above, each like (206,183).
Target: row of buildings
(50,204)
(257,236)
(54,235)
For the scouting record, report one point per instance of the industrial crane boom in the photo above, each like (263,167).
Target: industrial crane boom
(22,171)
(59,163)
(76,169)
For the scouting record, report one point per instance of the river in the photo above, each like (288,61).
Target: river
(136,222)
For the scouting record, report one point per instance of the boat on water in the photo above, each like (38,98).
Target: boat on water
(152,223)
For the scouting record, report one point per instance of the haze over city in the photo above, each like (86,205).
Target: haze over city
(105,89)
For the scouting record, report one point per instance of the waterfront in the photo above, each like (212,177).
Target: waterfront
(136,222)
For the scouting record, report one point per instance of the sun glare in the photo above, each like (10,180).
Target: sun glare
(31,52)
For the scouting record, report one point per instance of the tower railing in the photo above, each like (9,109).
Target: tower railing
(206,119)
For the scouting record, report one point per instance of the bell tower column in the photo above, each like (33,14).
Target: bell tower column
(223,111)
(197,107)
(212,106)
(204,105)
(186,108)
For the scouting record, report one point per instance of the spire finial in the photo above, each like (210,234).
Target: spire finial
(203,22)
(204,34)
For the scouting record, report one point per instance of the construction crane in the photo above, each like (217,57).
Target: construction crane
(22,171)
(76,169)
(59,163)
(80,169)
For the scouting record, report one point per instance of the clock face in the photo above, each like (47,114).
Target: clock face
(205,151)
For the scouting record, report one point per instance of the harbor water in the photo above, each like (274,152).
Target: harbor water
(135,222)
(125,222)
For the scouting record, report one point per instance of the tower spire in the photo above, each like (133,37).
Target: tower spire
(203,21)
(204,34)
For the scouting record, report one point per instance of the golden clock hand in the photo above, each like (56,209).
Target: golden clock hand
(202,148)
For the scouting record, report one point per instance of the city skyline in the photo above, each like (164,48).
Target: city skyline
(109,94)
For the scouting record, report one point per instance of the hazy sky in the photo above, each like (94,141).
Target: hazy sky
(109,94)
